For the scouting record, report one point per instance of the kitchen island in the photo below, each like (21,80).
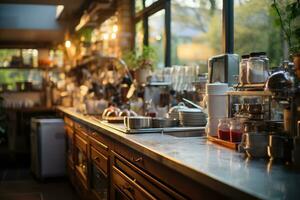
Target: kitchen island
(161,166)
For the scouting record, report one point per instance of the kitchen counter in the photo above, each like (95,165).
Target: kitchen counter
(214,166)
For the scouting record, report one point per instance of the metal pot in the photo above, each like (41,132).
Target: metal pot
(164,122)
(255,144)
(138,122)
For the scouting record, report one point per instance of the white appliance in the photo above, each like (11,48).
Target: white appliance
(216,106)
(47,147)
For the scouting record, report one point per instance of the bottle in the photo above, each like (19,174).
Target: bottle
(236,130)
(224,129)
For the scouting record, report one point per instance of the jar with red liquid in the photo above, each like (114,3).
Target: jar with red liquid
(224,129)
(236,130)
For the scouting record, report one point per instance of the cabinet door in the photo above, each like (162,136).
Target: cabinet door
(99,182)
(81,159)
(69,144)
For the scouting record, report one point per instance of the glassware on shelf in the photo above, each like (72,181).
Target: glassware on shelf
(243,69)
(224,129)
(257,68)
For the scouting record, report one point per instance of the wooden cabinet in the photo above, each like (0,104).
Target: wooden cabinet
(69,144)
(99,159)
(103,168)
(81,157)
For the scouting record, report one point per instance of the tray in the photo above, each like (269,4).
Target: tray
(176,131)
(228,144)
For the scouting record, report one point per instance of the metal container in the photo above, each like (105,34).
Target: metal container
(158,122)
(138,122)
(276,147)
(164,122)
(172,122)
(255,144)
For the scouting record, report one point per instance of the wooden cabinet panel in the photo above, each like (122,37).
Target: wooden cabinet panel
(82,129)
(99,159)
(99,183)
(149,183)
(81,144)
(177,182)
(69,121)
(128,186)
(99,143)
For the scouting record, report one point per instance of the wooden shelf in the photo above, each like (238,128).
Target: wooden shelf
(228,144)
(249,93)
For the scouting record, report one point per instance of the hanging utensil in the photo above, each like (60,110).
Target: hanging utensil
(193,104)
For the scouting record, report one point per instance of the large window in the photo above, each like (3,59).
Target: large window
(190,32)
(255,30)
(157,36)
(196,29)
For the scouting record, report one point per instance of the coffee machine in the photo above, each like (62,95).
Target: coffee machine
(222,68)
(284,86)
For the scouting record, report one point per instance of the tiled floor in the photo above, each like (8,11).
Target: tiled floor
(18,184)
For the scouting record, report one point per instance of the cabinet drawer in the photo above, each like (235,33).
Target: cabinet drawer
(99,159)
(128,186)
(149,183)
(135,157)
(99,144)
(69,121)
(81,144)
(81,128)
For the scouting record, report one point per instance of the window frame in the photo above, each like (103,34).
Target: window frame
(146,12)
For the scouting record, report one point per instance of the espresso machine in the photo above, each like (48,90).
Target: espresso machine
(284,86)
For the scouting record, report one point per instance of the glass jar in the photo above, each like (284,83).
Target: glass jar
(256,72)
(236,130)
(224,129)
(243,69)
(263,56)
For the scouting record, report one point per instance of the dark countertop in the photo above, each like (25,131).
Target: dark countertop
(214,166)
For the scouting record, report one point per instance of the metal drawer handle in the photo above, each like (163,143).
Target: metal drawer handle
(140,159)
(128,188)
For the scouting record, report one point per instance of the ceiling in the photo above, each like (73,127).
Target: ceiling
(21,27)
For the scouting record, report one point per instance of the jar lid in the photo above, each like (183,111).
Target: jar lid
(255,54)
(245,56)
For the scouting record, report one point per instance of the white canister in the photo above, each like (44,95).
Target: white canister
(217,106)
